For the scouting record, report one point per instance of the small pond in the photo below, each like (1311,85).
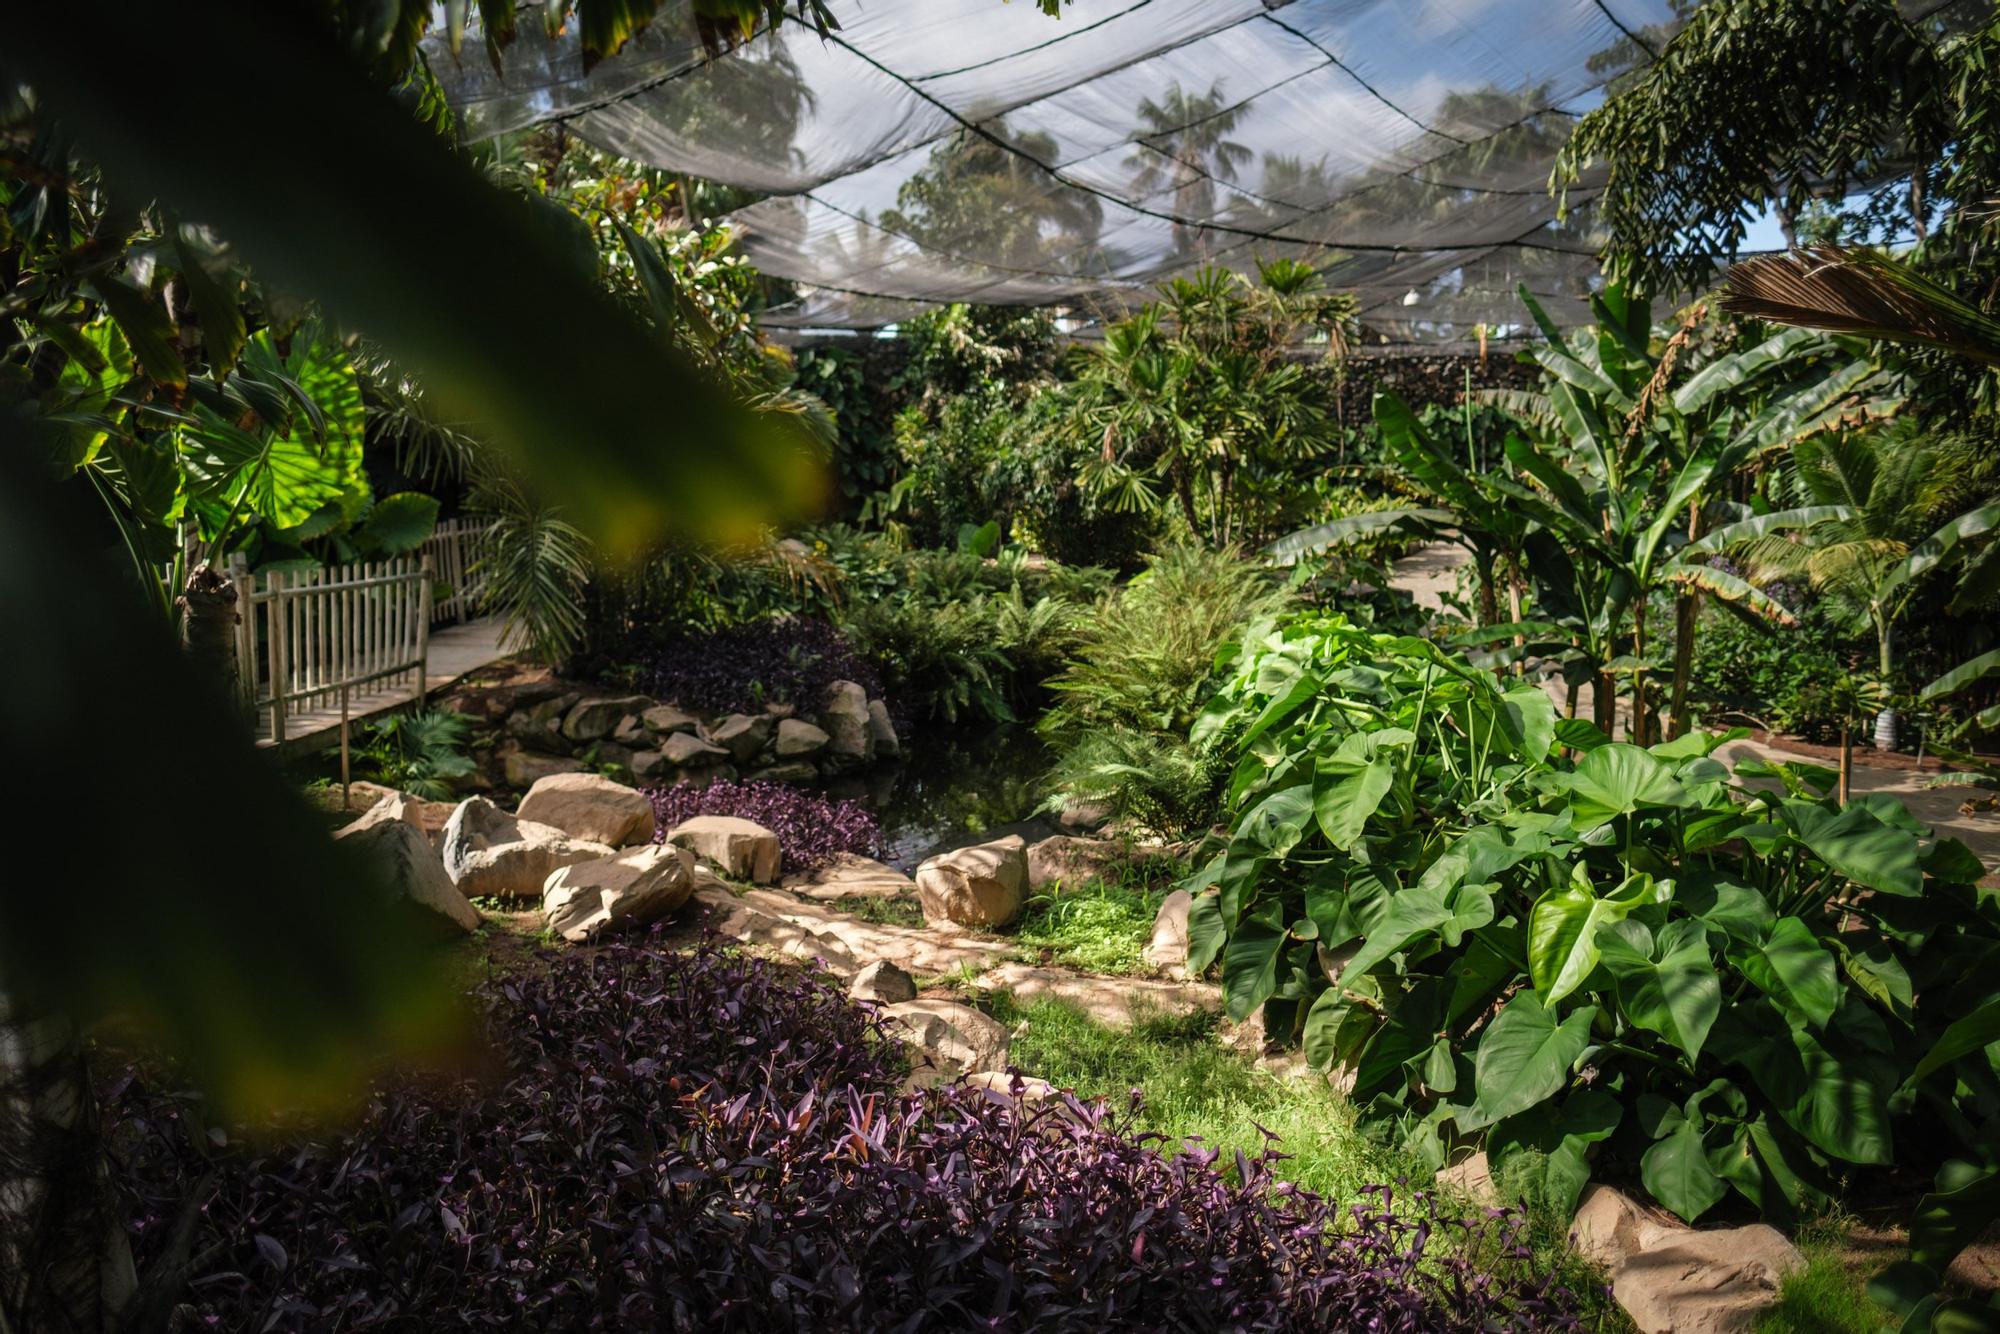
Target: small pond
(953,788)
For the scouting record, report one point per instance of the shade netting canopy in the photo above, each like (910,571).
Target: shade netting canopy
(978,150)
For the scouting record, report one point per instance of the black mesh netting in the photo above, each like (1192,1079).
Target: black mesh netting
(947,150)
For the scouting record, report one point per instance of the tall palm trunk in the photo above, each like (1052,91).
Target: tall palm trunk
(1641,724)
(208,607)
(1888,727)
(65,1264)
(1687,612)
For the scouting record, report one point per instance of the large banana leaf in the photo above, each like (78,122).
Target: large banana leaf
(1292,547)
(1732,590)
(1740,368)
(1735,534)
(1958,678)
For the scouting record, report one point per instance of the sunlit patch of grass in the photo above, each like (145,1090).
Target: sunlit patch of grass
(1829,1295)
(1103,924)
(1196,1089)
(883,910)
(1100,929)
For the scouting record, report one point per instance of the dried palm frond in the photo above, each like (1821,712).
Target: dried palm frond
(1860,291)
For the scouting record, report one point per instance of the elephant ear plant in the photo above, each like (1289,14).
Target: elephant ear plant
(1596,958)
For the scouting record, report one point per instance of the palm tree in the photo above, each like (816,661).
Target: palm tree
(1871,505)
(1186,147)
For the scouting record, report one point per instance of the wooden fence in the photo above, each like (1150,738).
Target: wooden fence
(455,551)
(328,639)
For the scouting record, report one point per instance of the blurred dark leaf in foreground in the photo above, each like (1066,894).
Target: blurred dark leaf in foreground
(328,187)
(161,870)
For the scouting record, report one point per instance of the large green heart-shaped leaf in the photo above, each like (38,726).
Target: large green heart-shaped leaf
(1564,1139)
(1736,909)
(1795,970)
(1206,932)
(1524,1058)
(1846,1107)
(1563,929)
(1275,824)
(1667,986)
(1677,1172)
(1860,845)
(1617,780)
(1345,795)
(1250,960)
(1449,910)
(400,523)
(1950,1218)
(1973,1032)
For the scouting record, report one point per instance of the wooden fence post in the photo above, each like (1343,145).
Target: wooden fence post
(424,630)
(281,658)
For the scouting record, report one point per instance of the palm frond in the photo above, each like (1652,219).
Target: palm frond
(1856,290)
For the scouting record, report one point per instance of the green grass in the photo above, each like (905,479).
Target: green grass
(1830,1295)
(1105,922)
(881,910)
(1102,928)
(1197,1089)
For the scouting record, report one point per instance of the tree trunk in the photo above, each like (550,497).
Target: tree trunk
(208,625)
(65,1263)
(1846,756)
(1489,599)
(1687,614)
(1514,599)
(1184,488)
(1641,725)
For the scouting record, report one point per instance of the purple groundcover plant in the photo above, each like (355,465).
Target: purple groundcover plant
(707,1141)
(784,659)
(811,828)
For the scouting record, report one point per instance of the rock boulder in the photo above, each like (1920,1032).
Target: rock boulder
(685,750)
(488,852)
(884,983)
(798,739)
(741,849)
(743,735)
(887,744)
(1674,1279)
(844,716)
(407,865)
(524,768)
(587,899)
(958,1039)
(1168,949)
(981,886)
(595,719)
(665,718)
(590,807)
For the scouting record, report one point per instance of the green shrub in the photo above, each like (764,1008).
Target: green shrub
(1141,670)
(958,466)
(1774,679)
(1624,959)
(421,752)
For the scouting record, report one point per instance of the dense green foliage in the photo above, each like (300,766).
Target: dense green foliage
(1141,670)
(1590,953)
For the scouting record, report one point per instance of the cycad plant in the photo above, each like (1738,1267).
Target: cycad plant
(1871,504)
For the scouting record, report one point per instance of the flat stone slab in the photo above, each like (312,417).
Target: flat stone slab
(1113,1001)
(851,876)
(923,951)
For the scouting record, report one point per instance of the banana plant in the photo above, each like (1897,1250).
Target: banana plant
(1640,460)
